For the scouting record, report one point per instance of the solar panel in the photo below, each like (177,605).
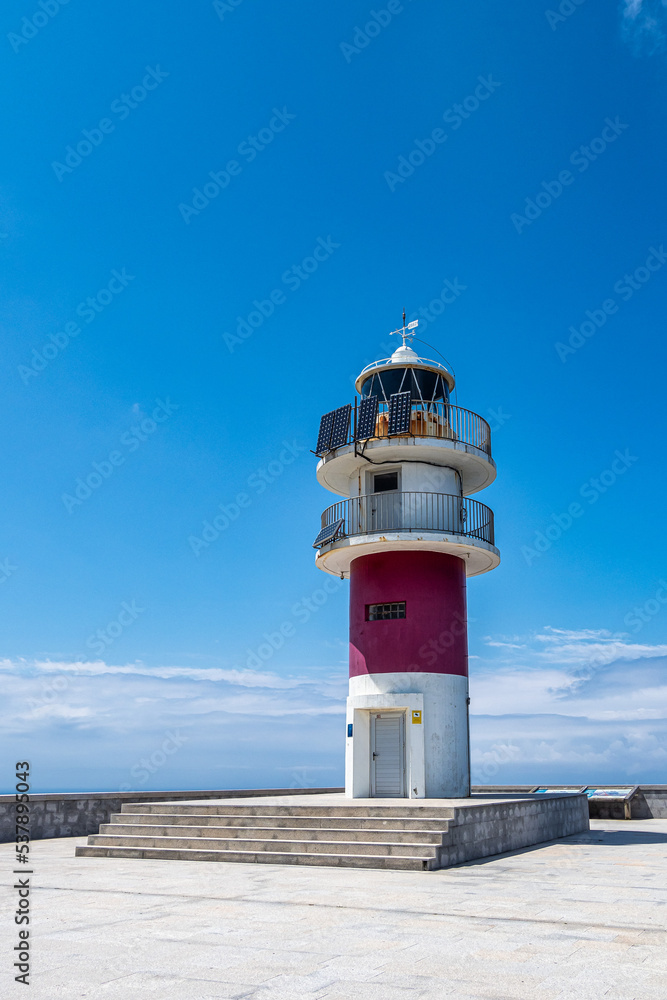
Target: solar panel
(399,412)
(367,416)
(341,426)
(328,533)
(324,436)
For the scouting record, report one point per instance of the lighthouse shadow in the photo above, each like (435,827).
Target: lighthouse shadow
(617,838)
(596,838)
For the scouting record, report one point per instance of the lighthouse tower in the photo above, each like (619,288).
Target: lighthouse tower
(406,535)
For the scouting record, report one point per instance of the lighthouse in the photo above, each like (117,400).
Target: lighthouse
(405,461)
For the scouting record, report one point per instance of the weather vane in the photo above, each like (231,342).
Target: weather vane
(403,330)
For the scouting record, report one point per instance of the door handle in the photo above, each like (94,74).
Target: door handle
(375,755)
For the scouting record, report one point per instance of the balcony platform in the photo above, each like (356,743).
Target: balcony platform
(440,434)
(435,522)
(336,557)
(478,470)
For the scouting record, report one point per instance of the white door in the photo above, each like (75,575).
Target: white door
(385,502)
(385,511)
(387,755)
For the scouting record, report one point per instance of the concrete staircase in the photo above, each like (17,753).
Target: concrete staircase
(408,838)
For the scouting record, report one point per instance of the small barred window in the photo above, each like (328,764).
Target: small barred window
(381,612)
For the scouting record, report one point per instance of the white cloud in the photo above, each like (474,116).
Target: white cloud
(559,705)
(101,695)
(577,706)
(96,726)
(548,692)
(582,648)
(244,678)
(644,25)
(554,749)
(62,712)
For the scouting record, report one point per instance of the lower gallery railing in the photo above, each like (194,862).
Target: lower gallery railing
(441,512)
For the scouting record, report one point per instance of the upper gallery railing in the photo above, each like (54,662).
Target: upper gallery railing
(435,420)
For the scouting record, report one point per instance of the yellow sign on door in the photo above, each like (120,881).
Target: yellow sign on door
(417,717)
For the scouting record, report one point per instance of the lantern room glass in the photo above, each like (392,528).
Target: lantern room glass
(425,386)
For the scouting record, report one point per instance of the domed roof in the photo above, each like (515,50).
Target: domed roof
(403,354)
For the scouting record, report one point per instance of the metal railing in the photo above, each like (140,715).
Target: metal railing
(437,419)
(441,420)
(442,512)
(416,363)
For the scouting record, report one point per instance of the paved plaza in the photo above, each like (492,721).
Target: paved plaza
(577,919)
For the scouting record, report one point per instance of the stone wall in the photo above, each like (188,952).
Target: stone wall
(480,831)
(648,802)
(77,814)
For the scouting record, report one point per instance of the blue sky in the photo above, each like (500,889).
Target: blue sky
(166,171)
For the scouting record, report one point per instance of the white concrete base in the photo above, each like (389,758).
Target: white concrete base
(436,747)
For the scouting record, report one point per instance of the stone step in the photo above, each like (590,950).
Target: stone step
(280,846)
(368,836)
(309,821)
(253,832)
(207,808)
(391,862)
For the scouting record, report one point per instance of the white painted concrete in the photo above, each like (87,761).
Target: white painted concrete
(336,558)
(358,746)
(437,762)
(335,470)
(413,477)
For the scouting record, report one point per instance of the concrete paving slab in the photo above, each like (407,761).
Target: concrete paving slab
(578,919)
